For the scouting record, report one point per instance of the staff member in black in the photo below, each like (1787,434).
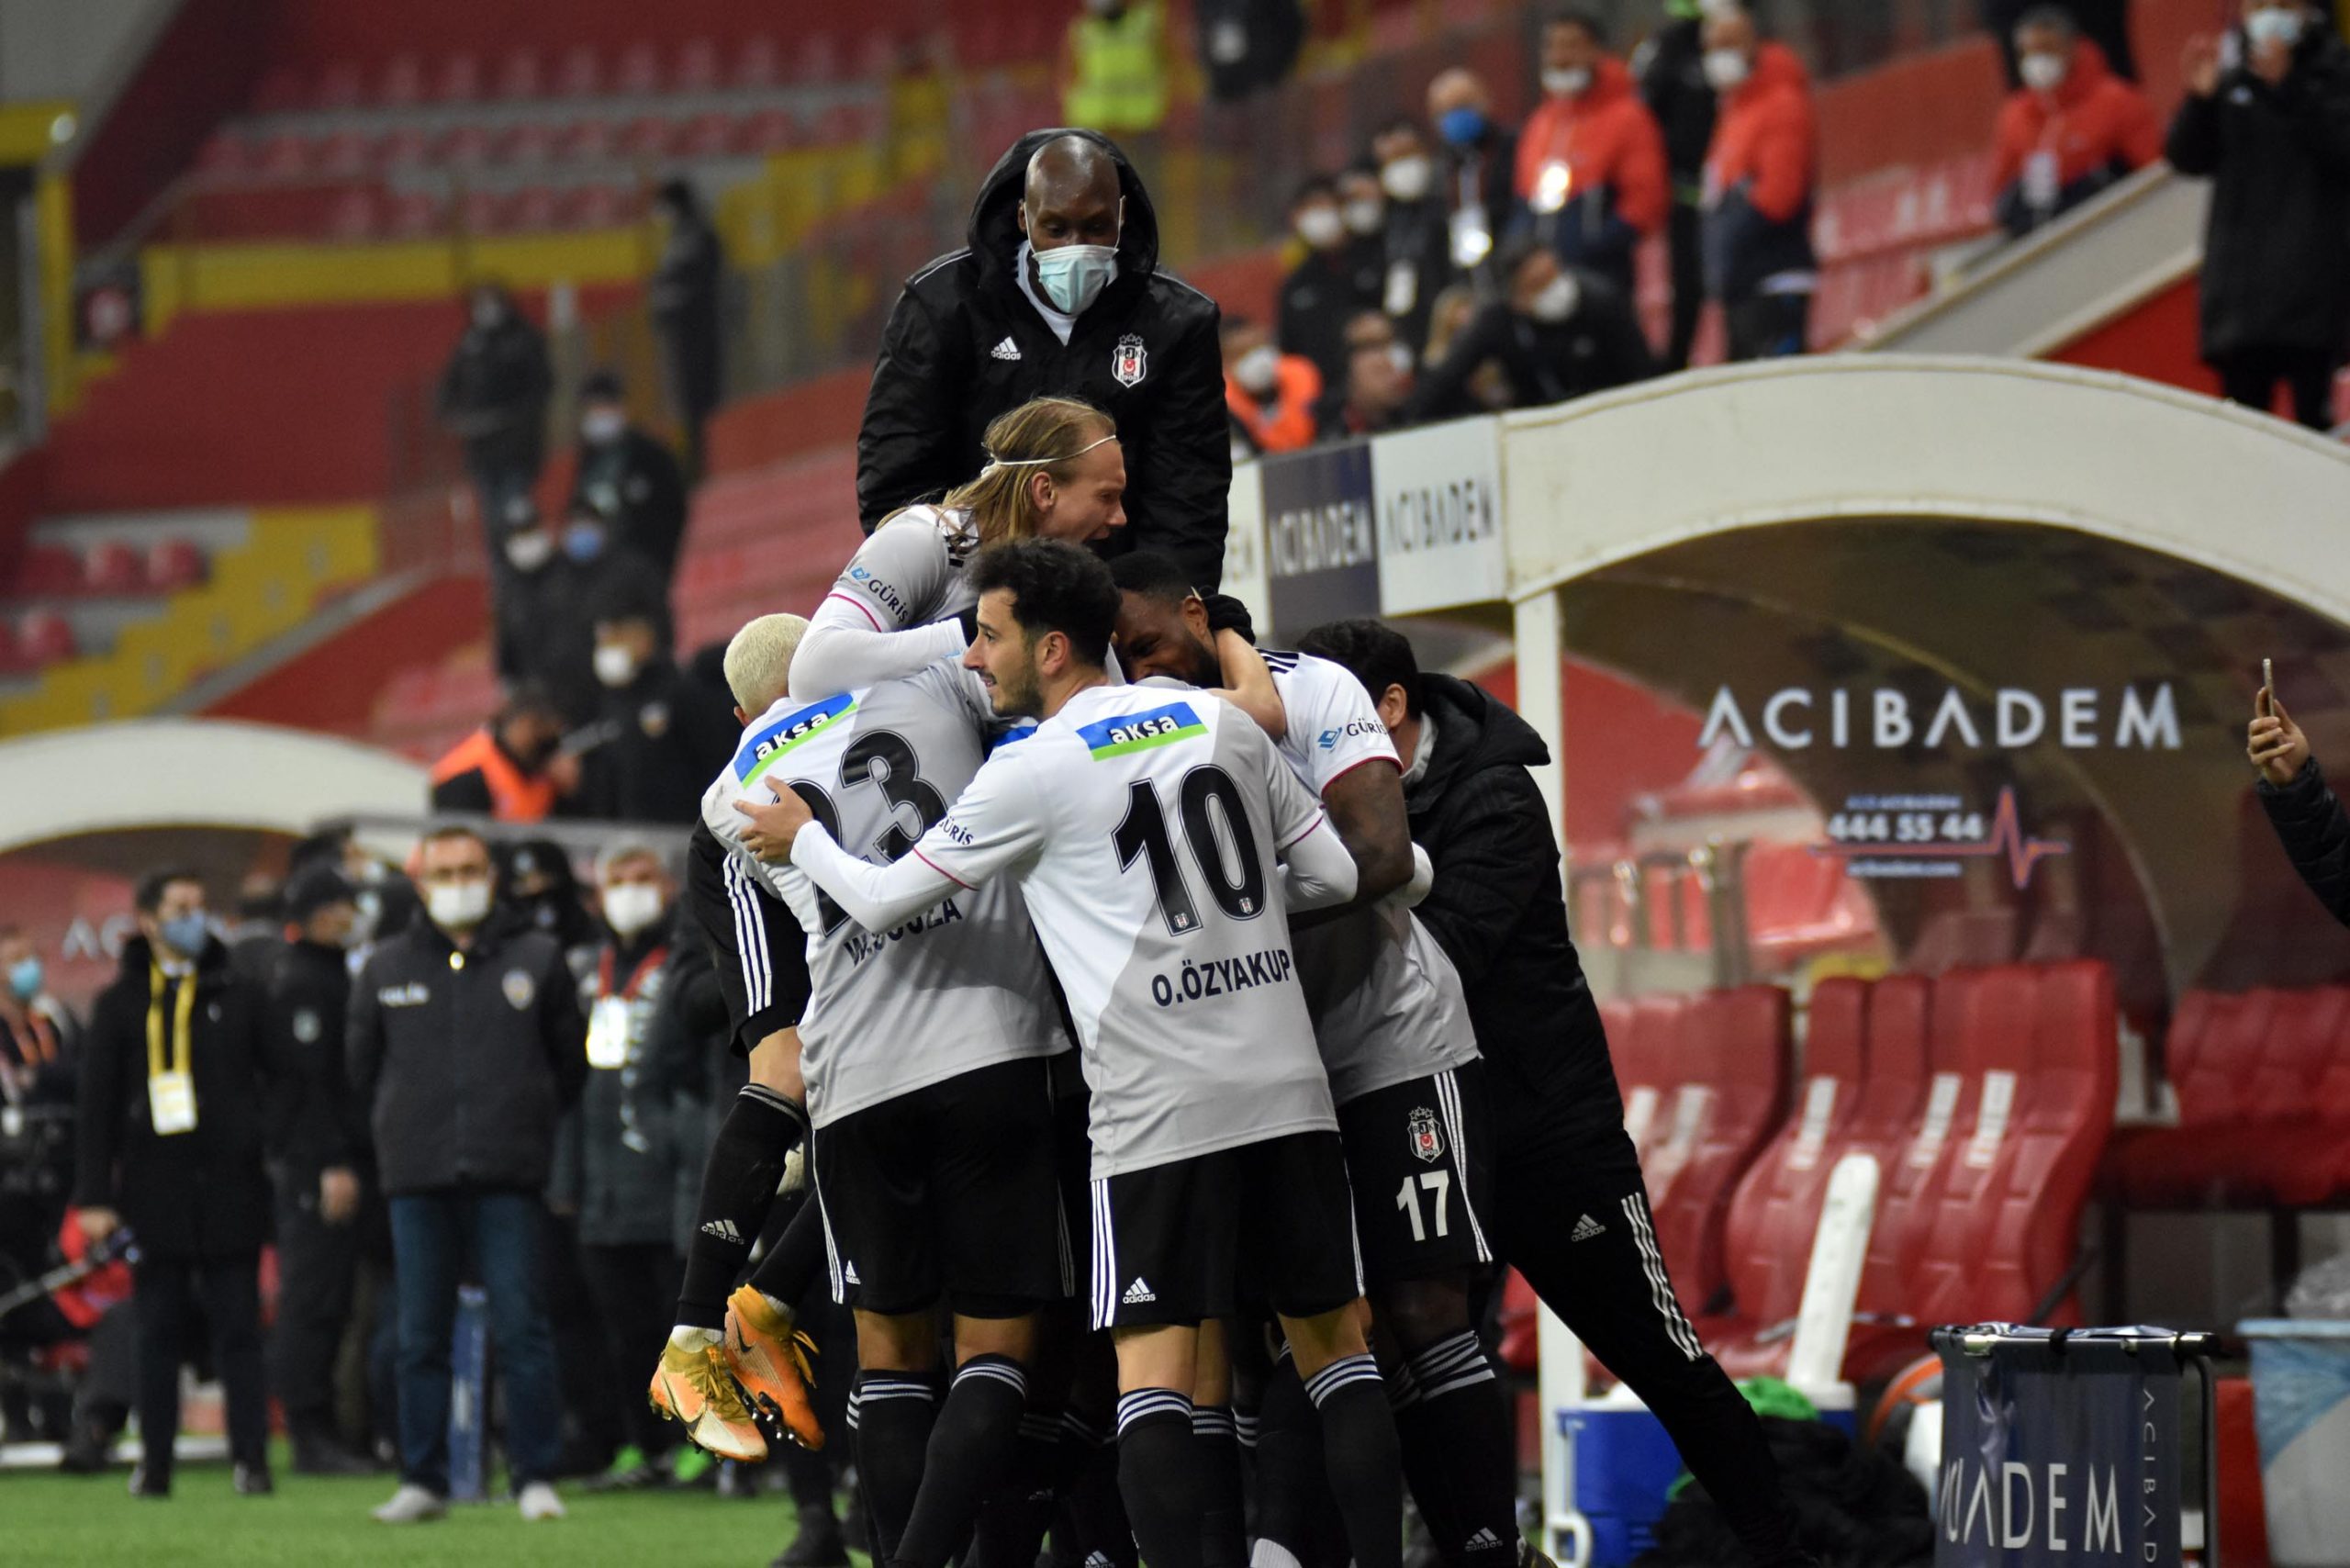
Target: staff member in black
(1058,293)
(628,477)
(178,1062)
(320,1147)
(465,1044)
(1562,1163)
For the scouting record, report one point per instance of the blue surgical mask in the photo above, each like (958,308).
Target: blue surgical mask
(583,541)
(24,977)
(1461,127)
(185,935)
(1075,275)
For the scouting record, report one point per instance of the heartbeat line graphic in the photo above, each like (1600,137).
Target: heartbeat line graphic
(2006,837)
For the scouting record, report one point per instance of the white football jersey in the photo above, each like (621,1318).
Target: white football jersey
(953,989)
(1145,823)
(891,601)
(1388,1005)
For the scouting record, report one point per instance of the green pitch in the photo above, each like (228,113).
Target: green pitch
(67,1521)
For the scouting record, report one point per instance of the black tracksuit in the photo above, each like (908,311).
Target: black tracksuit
(964,345)
(199,1202)
(1325,291)
(1561,1152)
(634,484)
(683,299)
(1672,69)
(1417,255)
(663,736)
(1598,347)
(2310,825)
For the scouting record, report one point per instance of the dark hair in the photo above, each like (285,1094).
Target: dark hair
(1580,17)
(679,196)
(1515,254)
(1055,586)
(1375,651)
(633,596)
(1397,124)
(1152,574)
(603,385)
(324,844)
(148,897)
(529,697)
(441,832)
(1313,186)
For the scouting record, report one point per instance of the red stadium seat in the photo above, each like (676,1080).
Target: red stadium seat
(115,568)
(46,569)
(459,80)
(647,136)
(818,60)
(530,142)
(11,655)
(284,156)
(338,85)
(1742,1037)
(175,563)
(464,147)
(592,207)
(758,64)
(2310,1163)
(346,155)
(579,74)
(403,83)
(585,141)
(404,147)
(224,152)
(769,130)
(520,77)
(413,214)
(706,136)
(637,73)
(44,637)
(284,90)
(1647,1064)
(533,210)
(697,66)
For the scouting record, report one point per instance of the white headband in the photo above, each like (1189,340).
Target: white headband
(994,462)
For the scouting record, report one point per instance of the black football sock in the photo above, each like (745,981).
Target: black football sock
(1364,1464)
(738,1184)
(893,1420)
(1224,1532)
(1461,1453)
(797,1261)
(1158,1475)
(971,1448)
(1290,1468)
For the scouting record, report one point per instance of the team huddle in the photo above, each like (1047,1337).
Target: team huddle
(1075,938)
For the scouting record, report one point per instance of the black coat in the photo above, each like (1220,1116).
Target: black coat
(1415,247)
(2316,835)
(1490,165)
(318,1127)
(635,485)
(1147,351)
(1498,910)
(1248,45)
(683,297)
(662,738)
(1320,296)
(202,1194)
(624,1152)
(2275,274)
(494,393)
(1598,347)
(552,613)
(1672,69)
(464,1069)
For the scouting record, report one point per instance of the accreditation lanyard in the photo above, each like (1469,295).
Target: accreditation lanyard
(609,1024)
(171,1086)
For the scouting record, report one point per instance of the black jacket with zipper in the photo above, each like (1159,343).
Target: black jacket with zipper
(1498,908)
(964,344)
(202,1194)
(618,1163)
(2315,833)
(465,1060)
(318,1127)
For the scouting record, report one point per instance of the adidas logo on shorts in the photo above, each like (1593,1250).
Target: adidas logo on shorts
(1140,1292)
(849,1274)
(1483,1540)
(1585,1228)
(1006,350)
(724,1230)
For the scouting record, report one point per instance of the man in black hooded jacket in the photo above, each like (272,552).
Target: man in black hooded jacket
(1058,293)
(1563,1167)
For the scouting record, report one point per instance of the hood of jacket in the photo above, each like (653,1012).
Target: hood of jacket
(1776,68)
(993,233)
(1473,731)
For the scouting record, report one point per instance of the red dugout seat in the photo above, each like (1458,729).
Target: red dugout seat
(1647,1053)
(2215,1046)
(2304,1158)
(1739,1040)
(115,568)
(44,637)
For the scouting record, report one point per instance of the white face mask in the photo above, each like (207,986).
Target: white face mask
(1364,215)
(1408,178)
(531,551)
(1256,370)
(1400,356)
(615,666)
(1321,227)
(1726,69)
(604,425)
(632,907)
(487,313)
(1558,299)
(2273,27)
(1568,83)
(2042,73)
(457,906)
(1075,275)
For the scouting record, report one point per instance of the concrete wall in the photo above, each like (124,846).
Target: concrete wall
(72,49)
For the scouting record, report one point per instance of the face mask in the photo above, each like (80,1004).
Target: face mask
(1566,84)
(185,935)
(487,313)
(1558,299)
(1075,275)
(530,551)
(603,425)
(1726,69)
(631,907)
(615,666)
(24,979)
(583,541)
(457,906)
(2042,73)
(1321,227)
(1461,127)
(1364,215)
(2267,29)
(1256,370)
(1400,356)
(1408,178)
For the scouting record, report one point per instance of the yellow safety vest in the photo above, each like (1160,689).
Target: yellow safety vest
(1121,78)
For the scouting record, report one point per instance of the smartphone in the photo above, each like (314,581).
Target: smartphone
(2269,686)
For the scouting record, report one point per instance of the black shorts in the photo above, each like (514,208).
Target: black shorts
(1420,1158)
(754,943)
(949,1191)
(1073,1158)
(1172,1243)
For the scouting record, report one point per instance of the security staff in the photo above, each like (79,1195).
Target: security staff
(662,734)
(1059,292)
(508,769)
(628,477)
(320,1150)
(178,1065)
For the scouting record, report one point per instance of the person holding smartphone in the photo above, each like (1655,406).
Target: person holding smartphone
(2309,820)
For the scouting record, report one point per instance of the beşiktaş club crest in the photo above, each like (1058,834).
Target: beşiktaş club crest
(1426,1141)
(1131,362)
(520,989)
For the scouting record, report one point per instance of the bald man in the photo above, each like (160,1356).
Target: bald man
(1478,192)
(1059,292)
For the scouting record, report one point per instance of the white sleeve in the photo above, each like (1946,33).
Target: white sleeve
(875,897)
(1318,870)
(993,824)
(878,623)
(1336,725)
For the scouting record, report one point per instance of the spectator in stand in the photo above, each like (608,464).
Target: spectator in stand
(683,299)
(1363,204)
(1272,394)
(1559,333)
(39,1041)
(1247,46)
(1370,328)
(1114,71)
(2105,23)
(513,770)
(179,1069)
(537,885)
(1488,387)
(1591,170)
(628,477)
(1415,253)
(1758,179)
(1059,294)
(1332,283)
(2272,132)
(2309,820)
(465,1044)
(1378,390)
(520,546)
(2073,127)
(493,398)
(662,736)
(321,1155)
(617,1166)
(1483,164)
(554,606)
(1672,69)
